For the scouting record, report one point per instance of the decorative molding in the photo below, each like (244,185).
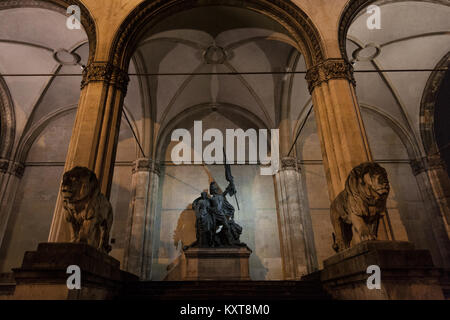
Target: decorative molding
(428,105)
(10,167)
(417,166)
(18,169)
(99,71)
(146,165)
(149,13)
(290,163)
(328,70)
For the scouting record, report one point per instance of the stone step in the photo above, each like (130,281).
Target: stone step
(7,284)
(235,290)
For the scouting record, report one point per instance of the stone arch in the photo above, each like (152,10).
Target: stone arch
(149,13)
(7,121)
(428,105)
(61,6)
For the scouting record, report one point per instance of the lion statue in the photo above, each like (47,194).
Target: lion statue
(356,211)
(87,211)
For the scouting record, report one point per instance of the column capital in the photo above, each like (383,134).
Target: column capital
(146,165)
(14,168)
(290,163)
(328,70)
(103,71)
(424,164)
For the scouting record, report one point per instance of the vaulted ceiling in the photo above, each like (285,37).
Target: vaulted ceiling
(36,41)
(414,35)
(202,46)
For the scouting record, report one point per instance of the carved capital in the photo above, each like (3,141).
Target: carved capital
(18,169)
(142,165)
(107,73)
(417,166)
(289,163)
(146,165)
(13,168)
(328,70)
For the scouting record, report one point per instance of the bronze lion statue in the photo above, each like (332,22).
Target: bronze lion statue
(87,211)
(356,211)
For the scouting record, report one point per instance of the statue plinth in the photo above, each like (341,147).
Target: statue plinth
(43,274)
(406,273)
(225,264)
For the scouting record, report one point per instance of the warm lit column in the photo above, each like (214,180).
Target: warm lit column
(341,130)
(138,245)
(96,129)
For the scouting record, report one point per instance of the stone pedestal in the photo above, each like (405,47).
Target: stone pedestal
(406,273)
(43,274)
(224,264)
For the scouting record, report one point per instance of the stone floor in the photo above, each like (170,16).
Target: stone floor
(223,290)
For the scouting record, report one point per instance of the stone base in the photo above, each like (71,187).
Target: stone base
(224,264)
(43,274)
(406,273)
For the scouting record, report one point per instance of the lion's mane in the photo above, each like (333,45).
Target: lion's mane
(87,210)
(360,206)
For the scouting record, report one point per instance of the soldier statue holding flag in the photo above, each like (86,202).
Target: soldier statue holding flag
(226,232)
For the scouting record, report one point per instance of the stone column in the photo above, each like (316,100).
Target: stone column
(96,129)
(138,246)
(297,249)
(11,174)
(341,130)
(434,184)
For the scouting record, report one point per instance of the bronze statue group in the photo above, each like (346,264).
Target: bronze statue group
(215,223)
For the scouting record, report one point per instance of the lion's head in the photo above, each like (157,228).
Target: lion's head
(369,181)
(79,184)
